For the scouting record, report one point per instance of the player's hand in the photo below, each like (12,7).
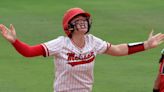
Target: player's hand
(8,34)
(154,40)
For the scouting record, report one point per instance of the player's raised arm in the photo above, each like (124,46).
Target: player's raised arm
(126,49)
(8,34)
(23,48)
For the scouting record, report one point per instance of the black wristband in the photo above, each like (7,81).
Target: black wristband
(155,90)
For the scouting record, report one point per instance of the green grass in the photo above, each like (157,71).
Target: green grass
(116,21)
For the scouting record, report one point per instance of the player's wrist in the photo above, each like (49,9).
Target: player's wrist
(12,41)
(146,45)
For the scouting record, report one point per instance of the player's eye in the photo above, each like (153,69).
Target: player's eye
(81,21)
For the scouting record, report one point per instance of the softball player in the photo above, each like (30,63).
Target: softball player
(75,54)
(159,82)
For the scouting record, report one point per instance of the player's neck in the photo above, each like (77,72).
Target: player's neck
(78,40)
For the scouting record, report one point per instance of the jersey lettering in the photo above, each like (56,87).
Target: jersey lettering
(74,59)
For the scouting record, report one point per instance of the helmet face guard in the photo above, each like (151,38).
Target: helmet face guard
(69,15)
(72,25)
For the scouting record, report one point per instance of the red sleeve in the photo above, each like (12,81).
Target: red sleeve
(29,51)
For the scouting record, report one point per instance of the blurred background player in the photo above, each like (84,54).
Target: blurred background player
(159,82)
(75,53)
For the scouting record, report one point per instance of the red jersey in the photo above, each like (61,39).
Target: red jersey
(161,70)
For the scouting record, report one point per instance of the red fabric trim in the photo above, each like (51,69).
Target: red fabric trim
(29,51)
(161,79)
(135,48)
(46,50)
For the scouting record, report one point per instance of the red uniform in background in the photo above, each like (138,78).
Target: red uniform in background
(159,82)
(161,73)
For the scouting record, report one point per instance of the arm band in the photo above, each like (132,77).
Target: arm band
(155,90)
(135,47)
(28,51)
